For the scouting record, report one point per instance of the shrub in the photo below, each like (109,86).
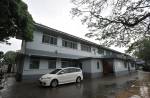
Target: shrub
(146,68)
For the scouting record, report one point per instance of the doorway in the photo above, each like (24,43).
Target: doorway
(108,67)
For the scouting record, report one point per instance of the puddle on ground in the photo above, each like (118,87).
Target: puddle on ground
(137,89)
(135,96)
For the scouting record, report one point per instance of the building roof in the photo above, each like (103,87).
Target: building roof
(72,36)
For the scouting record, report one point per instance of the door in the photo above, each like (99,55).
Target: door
(73,74)
(108,67)
(64,76)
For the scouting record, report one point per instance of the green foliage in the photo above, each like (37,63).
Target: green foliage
(144,50)
(141,49)
(10,57)
(15,20)
(1,54)
(146,68)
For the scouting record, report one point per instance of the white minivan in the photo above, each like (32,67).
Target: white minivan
(62,76)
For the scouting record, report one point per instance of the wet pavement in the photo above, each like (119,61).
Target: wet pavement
(108,87)
(137,89)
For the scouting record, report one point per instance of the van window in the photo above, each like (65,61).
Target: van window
(64,71)
(55,71)
(74,70)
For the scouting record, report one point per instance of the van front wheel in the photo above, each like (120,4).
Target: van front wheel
(78,80)
(54,83)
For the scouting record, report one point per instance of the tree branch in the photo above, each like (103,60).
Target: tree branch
(141,7)
(136,22)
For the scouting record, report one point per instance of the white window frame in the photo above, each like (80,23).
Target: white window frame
(70,42)
(31,59)
(50,38)
(86,46)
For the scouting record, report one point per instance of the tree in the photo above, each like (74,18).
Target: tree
(141,49)
(1,54)
(9,59)
(126,22)
(15,20)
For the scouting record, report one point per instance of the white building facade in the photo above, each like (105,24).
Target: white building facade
(52,49)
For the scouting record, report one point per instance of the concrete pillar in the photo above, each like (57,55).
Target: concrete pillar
(59,41)
(104,52)
(58,63)
(26,63)
(43,64)
(79,46)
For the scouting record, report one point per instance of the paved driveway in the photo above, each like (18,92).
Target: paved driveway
(106,87)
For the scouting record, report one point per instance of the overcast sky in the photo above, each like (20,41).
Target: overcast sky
(55,14)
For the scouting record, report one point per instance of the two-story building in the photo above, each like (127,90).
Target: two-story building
(52,49)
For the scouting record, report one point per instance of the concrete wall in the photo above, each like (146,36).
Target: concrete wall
(94,68)
(119,67)
(37,44)
(86,66)
(96,72)
(132,68)
(90,69)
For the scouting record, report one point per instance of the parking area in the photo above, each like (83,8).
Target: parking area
(107,87)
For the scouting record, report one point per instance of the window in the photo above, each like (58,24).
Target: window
(100,51)
(97,65)
(70,70)
(55,71)
(64,71)
(34,63)
(108,53)
(69,44)
(65,64)
(49,39)
(85,48)
(52,64)
(78,70)
(68,64)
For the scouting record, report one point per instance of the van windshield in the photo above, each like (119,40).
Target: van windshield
(55,71)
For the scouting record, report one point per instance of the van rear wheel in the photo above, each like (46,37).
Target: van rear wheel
(54,83)
(78,80)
